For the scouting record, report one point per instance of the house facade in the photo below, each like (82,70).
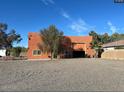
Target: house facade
(113,45)
(113,50)
(76,47)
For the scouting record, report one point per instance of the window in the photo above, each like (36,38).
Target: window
(37,52)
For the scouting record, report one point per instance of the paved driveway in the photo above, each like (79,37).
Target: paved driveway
(62,75)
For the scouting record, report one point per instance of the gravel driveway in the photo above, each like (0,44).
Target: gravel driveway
(62,75)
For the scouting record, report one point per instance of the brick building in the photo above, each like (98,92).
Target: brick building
(76,47)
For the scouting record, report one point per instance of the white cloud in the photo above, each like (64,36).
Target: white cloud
(80,26)
(47,2)
(65,15)
(51,1)
(112,27)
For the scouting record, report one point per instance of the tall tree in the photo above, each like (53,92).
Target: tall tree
(96,39)
(97,42)
(51,40)
(104,38)
(7,39)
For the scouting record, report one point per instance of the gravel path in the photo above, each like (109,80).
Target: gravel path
(62,75)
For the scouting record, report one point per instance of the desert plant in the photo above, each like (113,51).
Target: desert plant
(51,38)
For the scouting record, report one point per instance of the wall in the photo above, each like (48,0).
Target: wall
(2,52)
(113,54)
(33,41)
(110,48)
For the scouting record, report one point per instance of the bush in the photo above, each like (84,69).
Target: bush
(16,51)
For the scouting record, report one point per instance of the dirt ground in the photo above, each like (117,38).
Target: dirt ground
(62,75)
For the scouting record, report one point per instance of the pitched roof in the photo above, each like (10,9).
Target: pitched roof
(114,44)
(80,39)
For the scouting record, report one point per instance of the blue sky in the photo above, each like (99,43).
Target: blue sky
(73,17)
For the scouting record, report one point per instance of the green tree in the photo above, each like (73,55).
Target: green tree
(105,38)
(16,51)
(99,39)
(24,49)
(97,42)
(7,38)
(96,39)
(51,38)
(116,36)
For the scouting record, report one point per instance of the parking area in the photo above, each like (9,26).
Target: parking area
(62,75)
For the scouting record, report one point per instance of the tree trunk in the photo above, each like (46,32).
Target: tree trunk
(52,55)
(7,52)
